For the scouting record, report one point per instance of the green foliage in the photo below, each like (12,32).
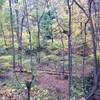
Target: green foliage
(5,58)
(58,94)
(43,44)
(91,57)
(55,45)
(76,61)
(41,93)
(34,41)
(43,54)
(76,87)
(2,2)
(50,58)
(5,17)
(28,51)
(46,22)
(88,82)
(1,43)
(3,51)
(77,40)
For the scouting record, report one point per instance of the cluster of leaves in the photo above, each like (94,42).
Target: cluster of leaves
(2,2)
(90,58)
(40,93)
(76,88)
(37,93)
(55,45)
(88,82)
(3,51)
(46,22)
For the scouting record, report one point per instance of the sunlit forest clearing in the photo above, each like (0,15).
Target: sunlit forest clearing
(49,50)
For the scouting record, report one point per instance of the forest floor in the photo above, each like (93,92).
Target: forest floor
(48,83)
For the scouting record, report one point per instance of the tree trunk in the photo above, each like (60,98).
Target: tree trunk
(19,38)
(11,23)
(69,48)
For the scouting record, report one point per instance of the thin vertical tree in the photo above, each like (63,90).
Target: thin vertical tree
(39,17)
(12,32)
(28,82)
(62,42)
(69,34)
(19,36)
(90,21)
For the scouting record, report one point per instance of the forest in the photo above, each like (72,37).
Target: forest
(49,49)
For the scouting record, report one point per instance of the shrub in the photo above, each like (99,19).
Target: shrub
(50,58)
(3,51)
(28,51)
(90,58)
(55,45)
(76,88)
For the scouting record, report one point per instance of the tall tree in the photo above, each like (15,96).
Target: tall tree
(29,82)
(69,34)
(11,24)
(19,35)
(89,17)
(39,17)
